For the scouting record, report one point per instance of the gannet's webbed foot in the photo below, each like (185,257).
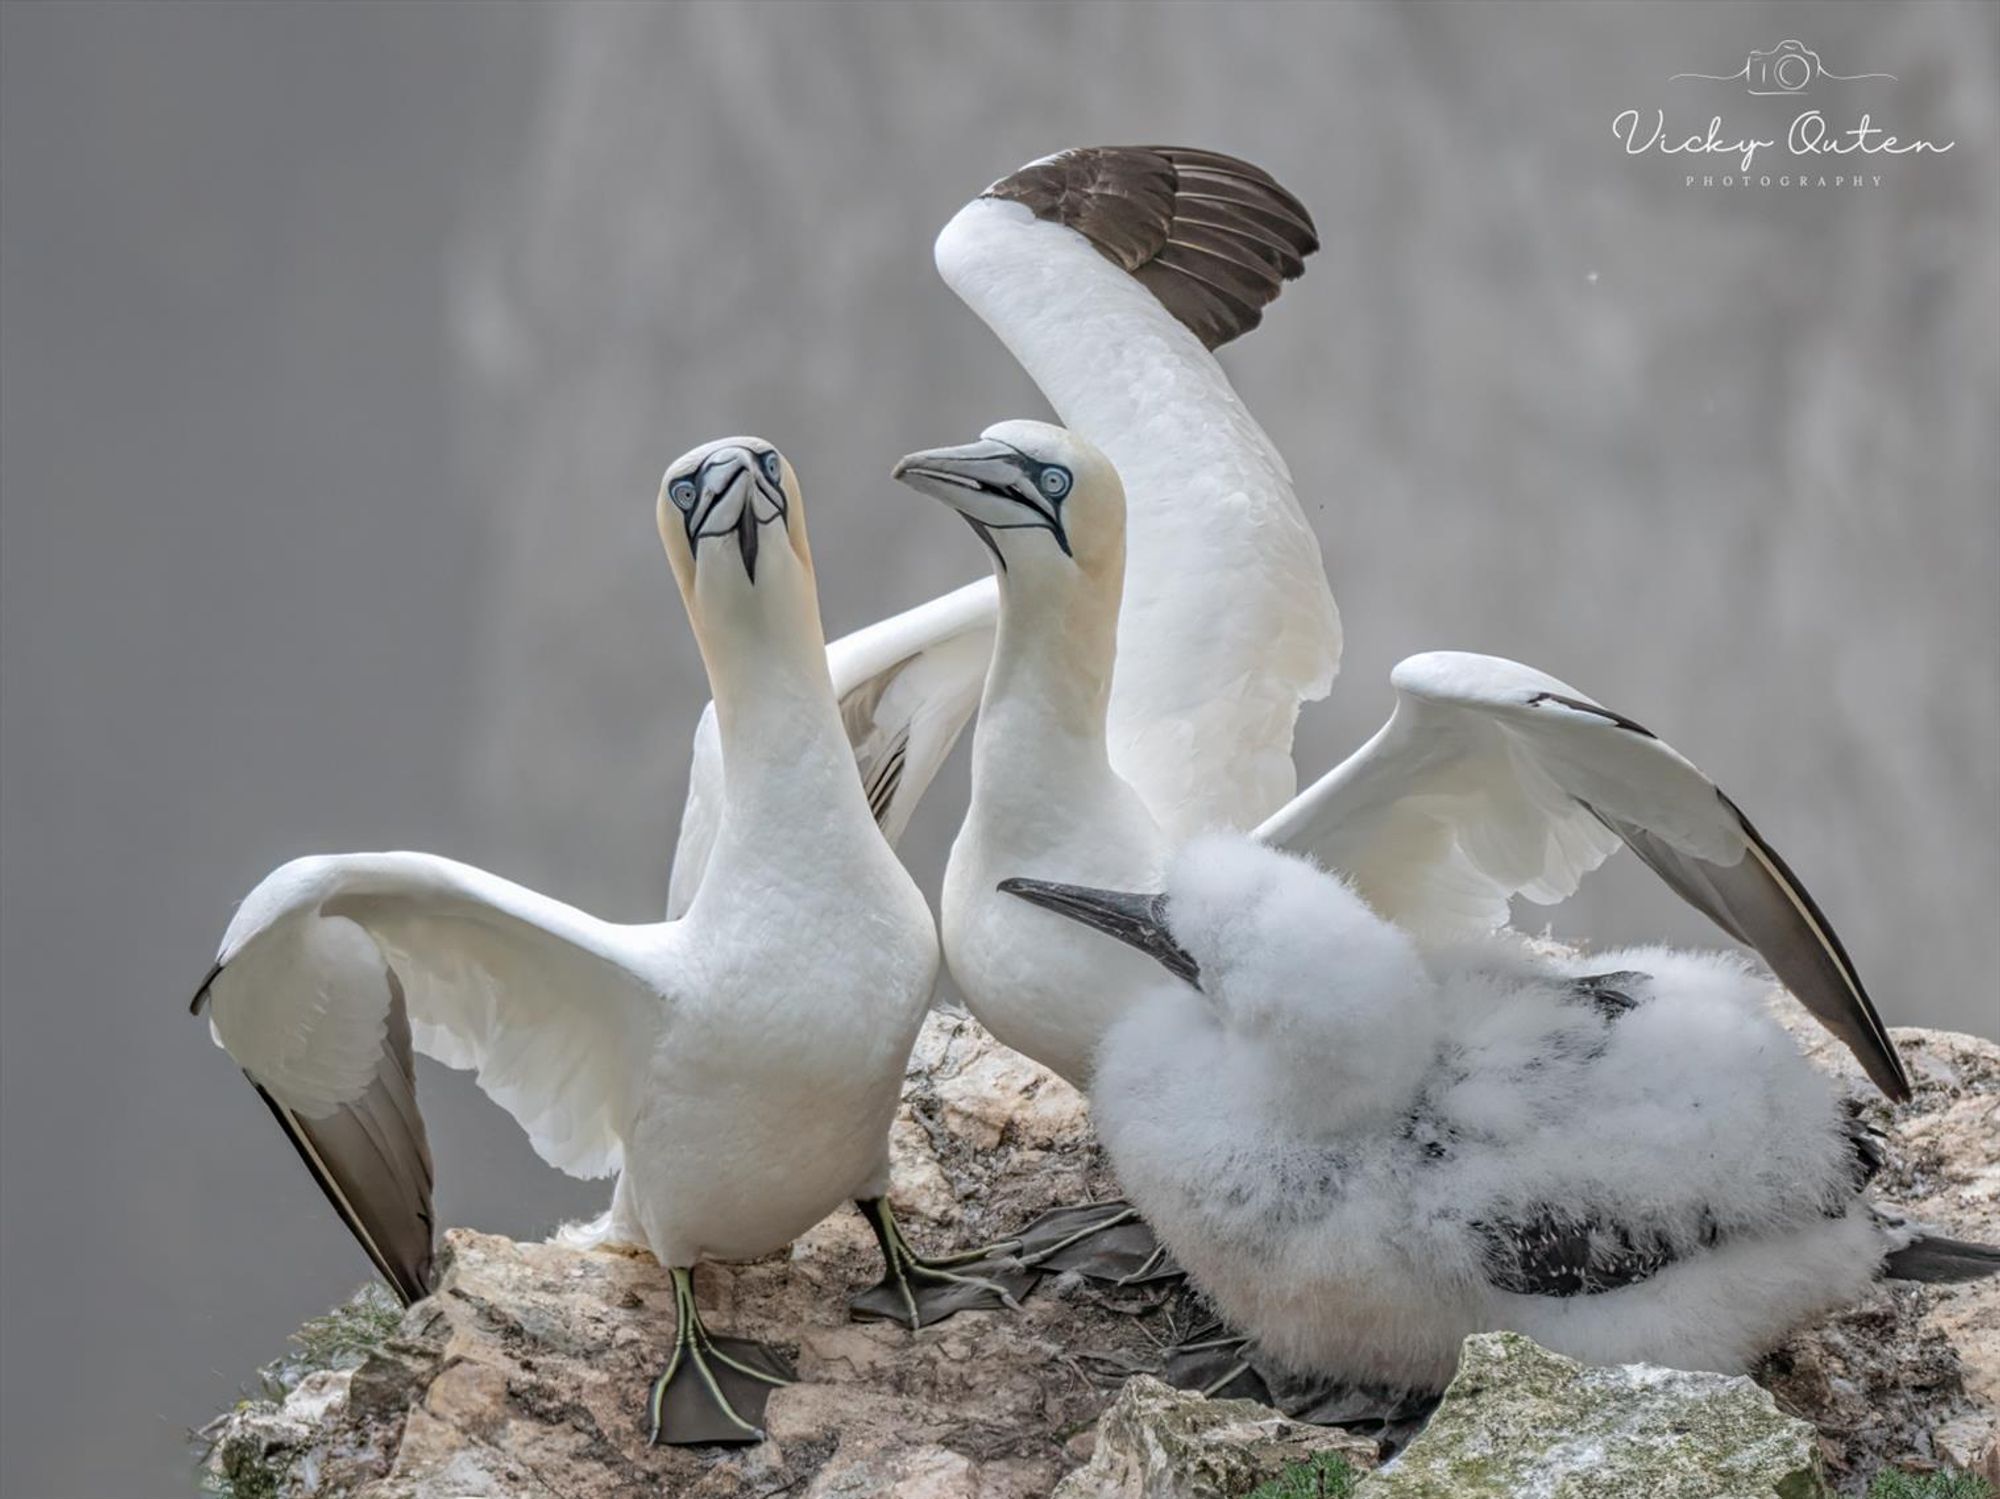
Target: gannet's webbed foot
(714,1388)
(1105,1241)
(1215,1362)
(917,1290)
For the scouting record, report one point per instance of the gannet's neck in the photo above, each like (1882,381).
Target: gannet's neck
(787,766)
(1041,736)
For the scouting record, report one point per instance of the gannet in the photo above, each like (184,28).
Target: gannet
(1490,780)
(737,1068)
(1362,1149)
(1111,274)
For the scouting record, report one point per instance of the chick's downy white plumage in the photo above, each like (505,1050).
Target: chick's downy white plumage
(1363,1151)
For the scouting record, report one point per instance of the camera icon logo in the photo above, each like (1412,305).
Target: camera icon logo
(1786,69)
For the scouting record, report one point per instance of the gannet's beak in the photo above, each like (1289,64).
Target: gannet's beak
(731,495)
(988,483)
(1135,919)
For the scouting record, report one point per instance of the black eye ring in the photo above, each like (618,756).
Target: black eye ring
(1055,482)
(681,492)
(773,468)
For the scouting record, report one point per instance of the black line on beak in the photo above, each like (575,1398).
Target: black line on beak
(1136,919)
(985,533)
(746,537)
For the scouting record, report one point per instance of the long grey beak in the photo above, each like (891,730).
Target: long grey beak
(1138,920)
(986,483)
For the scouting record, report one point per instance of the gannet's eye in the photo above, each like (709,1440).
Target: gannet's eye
(681,492)
(772,469)
(1055,482)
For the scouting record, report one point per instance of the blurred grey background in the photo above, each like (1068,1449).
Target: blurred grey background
(344,347)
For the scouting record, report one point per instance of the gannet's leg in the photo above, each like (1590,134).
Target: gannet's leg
(1105,1241)
(917,1290)
(714,1388)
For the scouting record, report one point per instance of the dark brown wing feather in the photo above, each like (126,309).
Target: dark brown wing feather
(372,1159)
(1213,238)
(1760,903)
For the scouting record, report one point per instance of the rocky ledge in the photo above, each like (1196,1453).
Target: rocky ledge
(525,1373)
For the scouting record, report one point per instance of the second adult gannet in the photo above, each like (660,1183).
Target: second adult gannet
(1362,1151)
(737,1068)
(1491,780)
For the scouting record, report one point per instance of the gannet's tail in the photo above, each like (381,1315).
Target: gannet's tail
(1942,1261)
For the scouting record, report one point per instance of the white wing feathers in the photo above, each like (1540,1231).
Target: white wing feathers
(907,687)
(1492,780)
(1228,622)
(526,991)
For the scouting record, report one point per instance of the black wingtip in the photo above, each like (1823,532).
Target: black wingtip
(1941,1261)
(1875,1049)
(201,994)
(1212,237)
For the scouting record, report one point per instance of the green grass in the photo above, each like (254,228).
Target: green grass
(1890,1484)
(346,1335)
(1327,1476)
(341,1339)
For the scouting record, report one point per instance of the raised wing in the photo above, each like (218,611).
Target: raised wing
(1492,780)
(1110,273)
(907,686)
(1213,238)
(334,968)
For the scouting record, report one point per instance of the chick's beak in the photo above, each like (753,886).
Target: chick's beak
(1136,919)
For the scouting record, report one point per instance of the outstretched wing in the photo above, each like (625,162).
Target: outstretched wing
(335,968)
(1110,273)
(907,686)
(1214,238)
(1492,780)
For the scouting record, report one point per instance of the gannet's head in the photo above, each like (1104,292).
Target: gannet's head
(1266,936)
(732,521)
(1048,504)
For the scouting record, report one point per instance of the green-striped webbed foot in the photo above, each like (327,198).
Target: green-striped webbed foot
(714,1388)
(1102,1241)
(917,1290)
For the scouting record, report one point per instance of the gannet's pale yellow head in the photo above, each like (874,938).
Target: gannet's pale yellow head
(733,523)
(1047,503)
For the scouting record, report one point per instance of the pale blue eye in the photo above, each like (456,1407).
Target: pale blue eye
(1055,482)
(681,492)
(772,470)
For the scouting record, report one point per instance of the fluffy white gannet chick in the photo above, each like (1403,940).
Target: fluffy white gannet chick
(1363,1151)
(738,1068)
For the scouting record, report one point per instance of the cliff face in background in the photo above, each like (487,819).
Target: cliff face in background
(526,1373)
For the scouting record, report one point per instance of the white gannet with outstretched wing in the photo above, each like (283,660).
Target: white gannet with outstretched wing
(737,1068)
(1491,780)
(1111,273)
